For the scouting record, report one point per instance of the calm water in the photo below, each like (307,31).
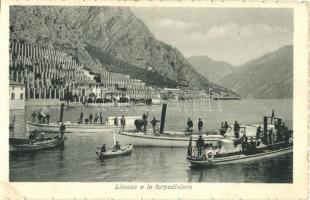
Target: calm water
(77,160)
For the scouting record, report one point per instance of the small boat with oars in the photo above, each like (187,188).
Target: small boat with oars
(110,153)
(22,145)
(227,151)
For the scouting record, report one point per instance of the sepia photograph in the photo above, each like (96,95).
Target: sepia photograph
(140,94)
(153,94)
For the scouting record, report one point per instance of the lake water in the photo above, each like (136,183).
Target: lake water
(77,160)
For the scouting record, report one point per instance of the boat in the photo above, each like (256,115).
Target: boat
(22,145)
(124,150)
(212,157)
(167,139)
(71,127)
(228,150)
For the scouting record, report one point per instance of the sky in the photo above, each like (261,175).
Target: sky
(233,35)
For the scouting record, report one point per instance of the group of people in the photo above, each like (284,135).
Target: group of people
(122,121)
(116,147)
(280,133)
(40,118)
(91,119)
(190,125)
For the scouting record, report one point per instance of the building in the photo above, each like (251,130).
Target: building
(17,96)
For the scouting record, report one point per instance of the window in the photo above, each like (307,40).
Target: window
(21,96)
(13,96)
(12,88)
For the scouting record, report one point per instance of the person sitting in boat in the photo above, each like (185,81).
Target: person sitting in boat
(33,135)
(42,135)
(103,148)
(236,129)
(200,125)
(200,143)
(153,122)
(96,118)
(123,123)
(190,125)
(116,146)
(244,143)
(62,129)
(47,118)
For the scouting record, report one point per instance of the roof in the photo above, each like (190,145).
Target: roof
(16,83)
(87,82)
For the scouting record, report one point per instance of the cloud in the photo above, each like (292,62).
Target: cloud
(177,25)
(231,42)
(249,30)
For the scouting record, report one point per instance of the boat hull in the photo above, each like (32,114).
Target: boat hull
(37,145)
(239,158)
(142,140)
(126,150)
(72,128)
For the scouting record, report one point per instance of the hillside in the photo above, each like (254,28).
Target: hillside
(112,33)
(267,77)
(210,69)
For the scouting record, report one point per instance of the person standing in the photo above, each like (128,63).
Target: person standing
(115,121)
(96,118)
(144,117)
(200,125)
(123,123)
(236,129)
(153,122)
(81,118)
(258,132)
(34,115)
(200,144)
(190,125)
(100,117)
(90,118)
(62,129)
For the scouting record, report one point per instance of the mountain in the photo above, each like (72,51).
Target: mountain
(107,37)
(267,77)
(210,69)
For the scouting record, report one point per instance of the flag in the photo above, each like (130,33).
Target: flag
(272,115)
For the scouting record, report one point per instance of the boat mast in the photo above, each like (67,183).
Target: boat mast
(62,112)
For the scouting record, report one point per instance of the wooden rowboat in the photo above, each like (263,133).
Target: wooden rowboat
(28,145)
(125,150)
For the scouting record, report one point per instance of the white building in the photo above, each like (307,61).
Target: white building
(17,96)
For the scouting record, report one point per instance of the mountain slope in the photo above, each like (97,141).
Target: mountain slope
(210,69)
(111,32)
(270,76)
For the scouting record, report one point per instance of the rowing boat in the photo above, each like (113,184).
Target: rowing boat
(124,150)
(33,145)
